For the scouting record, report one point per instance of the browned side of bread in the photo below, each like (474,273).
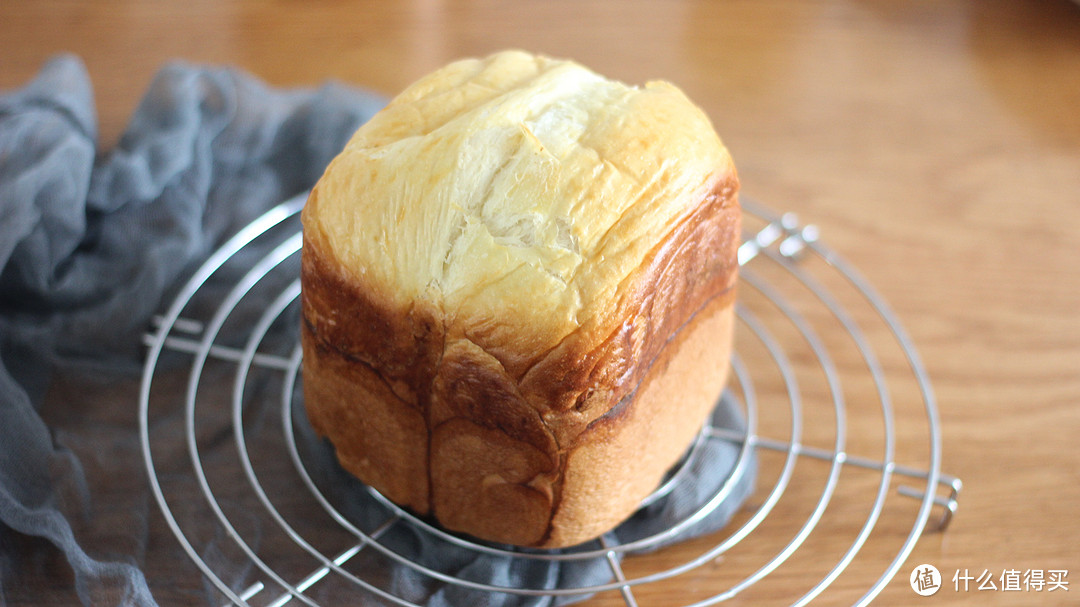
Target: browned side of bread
(624,456)
(532,448)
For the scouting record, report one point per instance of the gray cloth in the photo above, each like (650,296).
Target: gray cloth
(91,246)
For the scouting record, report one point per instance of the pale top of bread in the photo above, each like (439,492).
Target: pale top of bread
(514,194)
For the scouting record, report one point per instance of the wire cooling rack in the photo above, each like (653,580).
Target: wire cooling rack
(839,414)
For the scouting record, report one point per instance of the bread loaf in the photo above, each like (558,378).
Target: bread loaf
(518,284)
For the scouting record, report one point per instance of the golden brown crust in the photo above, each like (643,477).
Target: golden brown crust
(695,263)
(520,350)
(621,458)
(378,437)
(436,423)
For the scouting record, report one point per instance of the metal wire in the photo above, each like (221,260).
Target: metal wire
(779,243)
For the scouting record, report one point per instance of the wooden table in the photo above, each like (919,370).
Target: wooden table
(935,144)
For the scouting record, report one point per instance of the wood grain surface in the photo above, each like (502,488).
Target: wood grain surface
(935,144)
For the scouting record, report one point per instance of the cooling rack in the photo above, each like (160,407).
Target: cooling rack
(840,419)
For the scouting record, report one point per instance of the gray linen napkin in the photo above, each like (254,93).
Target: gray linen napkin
(91,246)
